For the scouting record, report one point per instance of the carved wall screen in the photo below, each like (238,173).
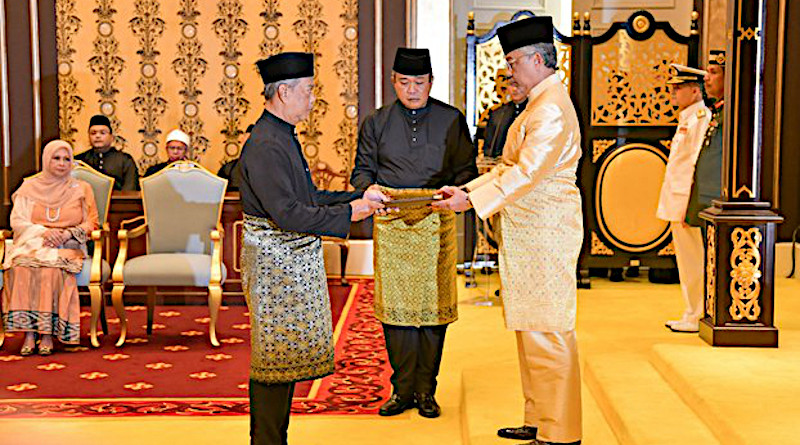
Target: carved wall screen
(629,80)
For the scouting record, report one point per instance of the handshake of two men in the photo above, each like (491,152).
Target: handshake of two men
(375,200)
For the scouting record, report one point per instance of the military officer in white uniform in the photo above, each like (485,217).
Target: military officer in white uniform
(687,94)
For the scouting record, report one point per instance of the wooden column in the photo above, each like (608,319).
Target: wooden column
(740,227)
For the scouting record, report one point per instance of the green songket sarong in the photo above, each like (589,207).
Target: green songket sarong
(415,264)
(284,281)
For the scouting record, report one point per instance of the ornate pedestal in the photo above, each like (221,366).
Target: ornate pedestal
(740,228)
(740,242)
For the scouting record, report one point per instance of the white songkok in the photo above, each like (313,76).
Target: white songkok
(178,135)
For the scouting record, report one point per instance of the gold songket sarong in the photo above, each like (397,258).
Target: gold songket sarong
(415,264)
(284,281)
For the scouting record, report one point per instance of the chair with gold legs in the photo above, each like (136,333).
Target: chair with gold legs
(182,209)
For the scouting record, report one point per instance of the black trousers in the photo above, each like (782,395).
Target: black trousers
(269,412)
(415,355)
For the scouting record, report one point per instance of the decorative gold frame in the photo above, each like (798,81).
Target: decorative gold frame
(599,211)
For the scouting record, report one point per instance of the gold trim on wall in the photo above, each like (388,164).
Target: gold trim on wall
(745,273)
(711,270)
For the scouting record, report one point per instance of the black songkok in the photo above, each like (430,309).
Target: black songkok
(526,32)
(716,57)
(99,119)
(412,61)
(286,66)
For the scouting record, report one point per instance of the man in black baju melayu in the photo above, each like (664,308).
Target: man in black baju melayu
(107,159)
(414,142)
(283,275)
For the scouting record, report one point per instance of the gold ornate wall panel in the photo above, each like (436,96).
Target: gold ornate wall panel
(154,65)
(628,80)
(489,57)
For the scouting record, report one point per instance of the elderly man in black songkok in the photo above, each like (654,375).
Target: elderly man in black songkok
(283,275)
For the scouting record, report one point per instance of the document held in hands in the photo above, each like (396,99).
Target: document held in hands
(419,201)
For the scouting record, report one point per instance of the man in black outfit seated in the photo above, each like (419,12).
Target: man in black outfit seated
(107,159)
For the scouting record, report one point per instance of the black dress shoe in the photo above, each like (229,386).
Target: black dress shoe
(519,433)
(395,405)
(616,275)
(427,406)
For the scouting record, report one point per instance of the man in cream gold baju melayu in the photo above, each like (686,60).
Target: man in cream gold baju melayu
(687,95)
(541,231)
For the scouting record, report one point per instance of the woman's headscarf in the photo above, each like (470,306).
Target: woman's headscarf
(48,189)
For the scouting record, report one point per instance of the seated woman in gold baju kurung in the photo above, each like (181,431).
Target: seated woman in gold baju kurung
(53,215)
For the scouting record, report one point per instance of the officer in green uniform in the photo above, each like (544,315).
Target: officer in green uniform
(707,184)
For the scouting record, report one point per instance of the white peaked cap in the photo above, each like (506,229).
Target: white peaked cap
(178,135)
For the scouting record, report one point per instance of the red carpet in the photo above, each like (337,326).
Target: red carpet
(177,372)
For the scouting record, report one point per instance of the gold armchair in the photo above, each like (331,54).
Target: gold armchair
(182,208)
(96,269)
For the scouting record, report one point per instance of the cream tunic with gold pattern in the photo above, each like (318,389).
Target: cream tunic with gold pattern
(541,222)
